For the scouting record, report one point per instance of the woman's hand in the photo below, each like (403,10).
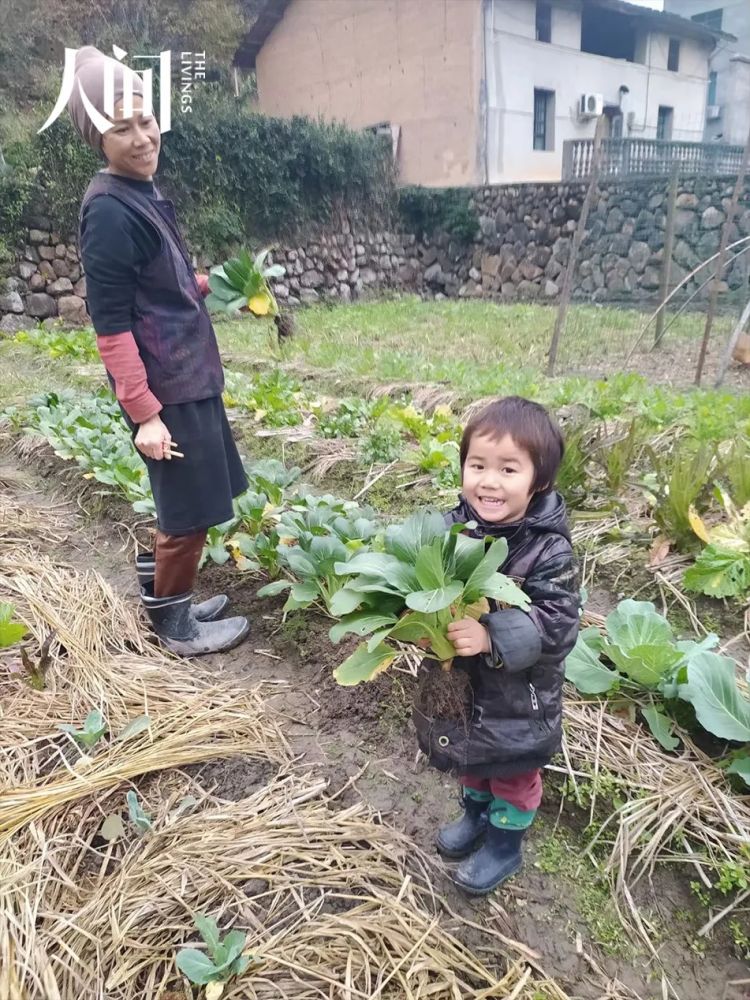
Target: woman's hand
(469,638)
(153,439)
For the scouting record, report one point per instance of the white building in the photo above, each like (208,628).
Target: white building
(648,71)
(728,101)
(483,91)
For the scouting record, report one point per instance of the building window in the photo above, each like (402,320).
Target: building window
(543,21)
(712,19)
(664,123)
(673,59)
(544,119)
(713,76)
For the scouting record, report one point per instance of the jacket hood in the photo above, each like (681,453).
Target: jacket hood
(546,515)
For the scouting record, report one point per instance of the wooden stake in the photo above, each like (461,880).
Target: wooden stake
(666,266)
(578,235)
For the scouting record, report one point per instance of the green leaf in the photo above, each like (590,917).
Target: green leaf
(302,594)
(584,668)
(661,727)
(359,624)
(429,566)
(299,563)
(138,817)
(719,573)
(741,766)
(415,626)
(10,632)
(196,965)
(502,588)
(134,727)
(435,600)
(637,623)
(345,601)
(364,664)
(208,931)
(713,692)
(395,574)
(405,540)
(275,588)
(233,944)
(476,585)
(468,554)
(646,664)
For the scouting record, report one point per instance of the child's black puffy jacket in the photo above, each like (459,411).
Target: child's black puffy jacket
(515,722)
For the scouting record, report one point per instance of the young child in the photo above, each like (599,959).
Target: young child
(510,454)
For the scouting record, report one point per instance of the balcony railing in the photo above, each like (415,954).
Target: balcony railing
(649,158)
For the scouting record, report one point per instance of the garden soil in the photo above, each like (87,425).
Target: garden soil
(360,739)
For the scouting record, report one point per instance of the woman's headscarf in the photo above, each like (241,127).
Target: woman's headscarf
(91,65)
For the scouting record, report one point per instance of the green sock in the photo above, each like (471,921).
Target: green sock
(472,793)
(509,817)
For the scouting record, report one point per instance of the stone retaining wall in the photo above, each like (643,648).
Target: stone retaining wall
(520,253)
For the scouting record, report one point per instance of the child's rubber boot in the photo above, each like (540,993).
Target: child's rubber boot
(181,633)
(497,859)
(462,836)
(204,611)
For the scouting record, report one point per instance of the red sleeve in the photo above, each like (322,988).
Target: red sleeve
(119,352)
(202,280)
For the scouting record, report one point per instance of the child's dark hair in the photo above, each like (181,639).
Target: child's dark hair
(532,429)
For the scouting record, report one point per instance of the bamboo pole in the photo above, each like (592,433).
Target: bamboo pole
(666,266)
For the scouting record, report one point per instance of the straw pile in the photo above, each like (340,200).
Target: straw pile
(323,893)
(334,903)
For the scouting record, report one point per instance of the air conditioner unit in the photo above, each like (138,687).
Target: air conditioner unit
(713,111)
(590,105)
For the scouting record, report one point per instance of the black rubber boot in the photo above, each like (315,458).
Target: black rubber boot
(204,611)
(496,860)
(180,632)
(460,837)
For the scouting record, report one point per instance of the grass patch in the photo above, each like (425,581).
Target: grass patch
(558,854)
(406,338)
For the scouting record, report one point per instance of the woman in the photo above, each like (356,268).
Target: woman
(157,343)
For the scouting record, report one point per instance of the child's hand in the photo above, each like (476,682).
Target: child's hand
(469,637)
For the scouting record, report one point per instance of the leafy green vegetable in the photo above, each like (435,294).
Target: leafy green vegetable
(661,727)
(713,692)
(650,665)
(10,632)
(427,577)
(243,281)
(224,959)
(94,728)
(140,819)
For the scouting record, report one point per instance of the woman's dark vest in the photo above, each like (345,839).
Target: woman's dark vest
(171,325)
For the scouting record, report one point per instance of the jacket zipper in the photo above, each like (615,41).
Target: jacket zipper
(534,699)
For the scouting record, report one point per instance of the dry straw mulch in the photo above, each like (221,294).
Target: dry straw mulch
(335,904)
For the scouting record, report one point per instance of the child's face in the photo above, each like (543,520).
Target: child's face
(497,478)
(132,144)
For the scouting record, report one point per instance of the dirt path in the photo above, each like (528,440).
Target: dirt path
(360,740)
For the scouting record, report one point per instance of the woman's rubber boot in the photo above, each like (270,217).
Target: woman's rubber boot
(497,859)
(460,837)
(181,633)
(204,611)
